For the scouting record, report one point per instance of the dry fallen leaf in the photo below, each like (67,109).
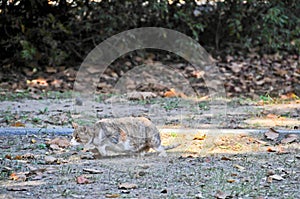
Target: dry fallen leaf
(231,180)
(21,176)
(170,93)
(38,82)
(289,138)
(114,195)
(240,168)
(270,172)
(272,134)
(272,116)
(127,186)
(289,96)
(82,180)
(60,141)
(8,156)
(269,149)
(269,179)
(199,136)
(226,158)
(18,124)
(18,157)
(173,93)
(197,74)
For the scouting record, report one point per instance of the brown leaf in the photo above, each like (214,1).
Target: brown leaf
(269,179)
(127,186)
(270,172)
(272,116)
(197,74)
(269,149)
(18,157)
(173,93)
(38,82)
(21,176)
(113,195)
(18,124)
(226,158)
(231,180)
(272,134)
(289,96)
(82,180)
(240,168)
(56,83)
(289,138)
(14,176)
(170,93)
(60,141)
(199,136)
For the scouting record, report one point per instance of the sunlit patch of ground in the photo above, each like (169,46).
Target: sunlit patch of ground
(273,122)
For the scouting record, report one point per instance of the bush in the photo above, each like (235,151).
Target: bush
(37,33)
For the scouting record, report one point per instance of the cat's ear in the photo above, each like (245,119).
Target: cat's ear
(74,125)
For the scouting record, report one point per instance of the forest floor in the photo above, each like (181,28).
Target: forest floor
(226,165)
(209,163)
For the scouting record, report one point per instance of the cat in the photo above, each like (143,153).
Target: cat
(121,136)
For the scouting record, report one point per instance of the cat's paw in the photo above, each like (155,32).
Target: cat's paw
(162,154)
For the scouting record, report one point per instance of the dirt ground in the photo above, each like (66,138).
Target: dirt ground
(203,166)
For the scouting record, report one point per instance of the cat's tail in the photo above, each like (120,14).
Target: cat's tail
(171,146)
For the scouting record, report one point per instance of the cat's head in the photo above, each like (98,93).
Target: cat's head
(81,134)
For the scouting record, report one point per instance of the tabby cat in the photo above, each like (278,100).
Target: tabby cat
(121,136)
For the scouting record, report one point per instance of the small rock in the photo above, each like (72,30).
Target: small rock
(78,101)
(54,147)
(50,159)
(127,186)
(276,177)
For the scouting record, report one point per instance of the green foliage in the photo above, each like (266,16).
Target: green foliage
(37,33)
(28,51)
